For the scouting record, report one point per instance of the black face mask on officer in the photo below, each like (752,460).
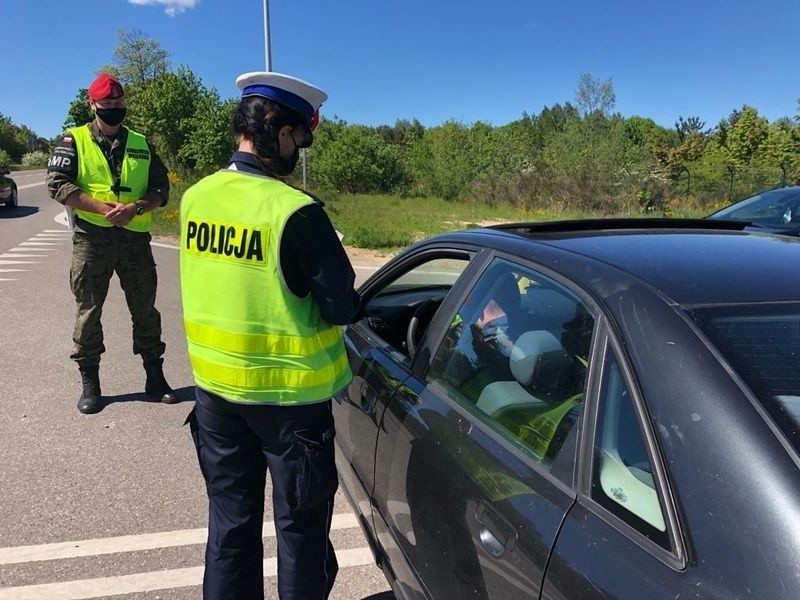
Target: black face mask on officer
(111,116)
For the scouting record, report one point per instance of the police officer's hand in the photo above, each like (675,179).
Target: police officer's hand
(121,214)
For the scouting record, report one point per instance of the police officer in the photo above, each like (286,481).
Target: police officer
(112,178)
(266,285)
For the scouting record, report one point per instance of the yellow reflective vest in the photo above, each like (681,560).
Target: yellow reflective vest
(250,339)
(95,179)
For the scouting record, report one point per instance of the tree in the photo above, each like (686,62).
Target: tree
(138,59)
(358,160)
(210,142)
(782,147)
(165,110)
(12,139)
(746,135)
(79,112)
(688,126)
(595,96)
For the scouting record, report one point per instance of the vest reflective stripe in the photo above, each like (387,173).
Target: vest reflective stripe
(263,378)
(95,179)
(263,343)
(250,339)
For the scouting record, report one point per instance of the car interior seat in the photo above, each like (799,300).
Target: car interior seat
(535,361)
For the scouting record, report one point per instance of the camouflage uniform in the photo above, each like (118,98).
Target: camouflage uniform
(98,252)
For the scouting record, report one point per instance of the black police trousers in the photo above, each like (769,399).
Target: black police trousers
(236,445)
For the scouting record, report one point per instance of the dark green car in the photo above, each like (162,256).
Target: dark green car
(8,190)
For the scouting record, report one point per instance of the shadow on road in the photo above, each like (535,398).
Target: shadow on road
(185,394)
(17,212)
(381,596)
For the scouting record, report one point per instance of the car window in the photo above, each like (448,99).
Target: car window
(778,207)
(622,474)
(516,356)
(436,272)
(414,294)
(762,344)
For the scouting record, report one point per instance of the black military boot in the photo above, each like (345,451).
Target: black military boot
(156,385)
(90,401)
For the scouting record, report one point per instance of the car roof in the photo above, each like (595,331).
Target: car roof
(693,261)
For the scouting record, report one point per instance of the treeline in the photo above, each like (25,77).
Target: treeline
(567,157)
(580,155)
(19,144)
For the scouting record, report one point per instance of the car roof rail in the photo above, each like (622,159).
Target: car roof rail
(620,223)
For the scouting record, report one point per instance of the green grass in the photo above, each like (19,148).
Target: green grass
(391,222)
(388,223)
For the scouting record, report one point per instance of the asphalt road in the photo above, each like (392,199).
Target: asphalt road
(113,504)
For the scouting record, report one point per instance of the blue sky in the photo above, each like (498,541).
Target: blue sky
(434,60)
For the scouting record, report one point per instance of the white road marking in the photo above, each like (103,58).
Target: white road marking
(5,279)
(57,231)
(30,250)
(29,185)
(14,270)
(159,245)
(40,244)
(132,543)
(23,256)
(147,582)
(19,262)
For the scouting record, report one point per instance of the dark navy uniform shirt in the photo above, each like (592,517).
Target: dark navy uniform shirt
(312,258)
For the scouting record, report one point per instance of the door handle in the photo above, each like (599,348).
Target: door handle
(493,546)
(495,535)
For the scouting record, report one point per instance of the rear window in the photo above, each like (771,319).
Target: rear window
(762,343)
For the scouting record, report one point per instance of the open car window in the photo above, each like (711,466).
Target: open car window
(412,295)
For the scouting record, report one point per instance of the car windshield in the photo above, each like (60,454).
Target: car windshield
(778,207)
(762,343)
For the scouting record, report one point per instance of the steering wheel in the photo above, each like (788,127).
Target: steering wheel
(419,322)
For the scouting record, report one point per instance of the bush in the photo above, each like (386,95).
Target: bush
(5,159)
(35,159)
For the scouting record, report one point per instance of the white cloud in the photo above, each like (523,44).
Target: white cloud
(172,7)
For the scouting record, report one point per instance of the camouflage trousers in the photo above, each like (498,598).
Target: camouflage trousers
(96,257)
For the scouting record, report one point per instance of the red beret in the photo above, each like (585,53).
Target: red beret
(105,86)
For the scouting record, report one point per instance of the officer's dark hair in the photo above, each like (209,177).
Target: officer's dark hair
(259,120)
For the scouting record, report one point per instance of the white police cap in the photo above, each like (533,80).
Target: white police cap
(290,91)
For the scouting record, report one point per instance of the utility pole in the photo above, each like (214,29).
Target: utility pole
(268,61)
(267,49)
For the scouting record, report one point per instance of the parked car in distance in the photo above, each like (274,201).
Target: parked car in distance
(579,410)
(775,211)
(8,190)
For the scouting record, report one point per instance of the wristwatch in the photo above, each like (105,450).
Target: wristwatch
(139,209)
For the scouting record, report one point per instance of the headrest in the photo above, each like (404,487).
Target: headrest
(527,352)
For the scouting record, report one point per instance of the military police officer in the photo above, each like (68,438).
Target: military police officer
(112,178)
(266,285)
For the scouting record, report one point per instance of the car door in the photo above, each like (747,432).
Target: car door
(379,358)
(476,456)
(624,520)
